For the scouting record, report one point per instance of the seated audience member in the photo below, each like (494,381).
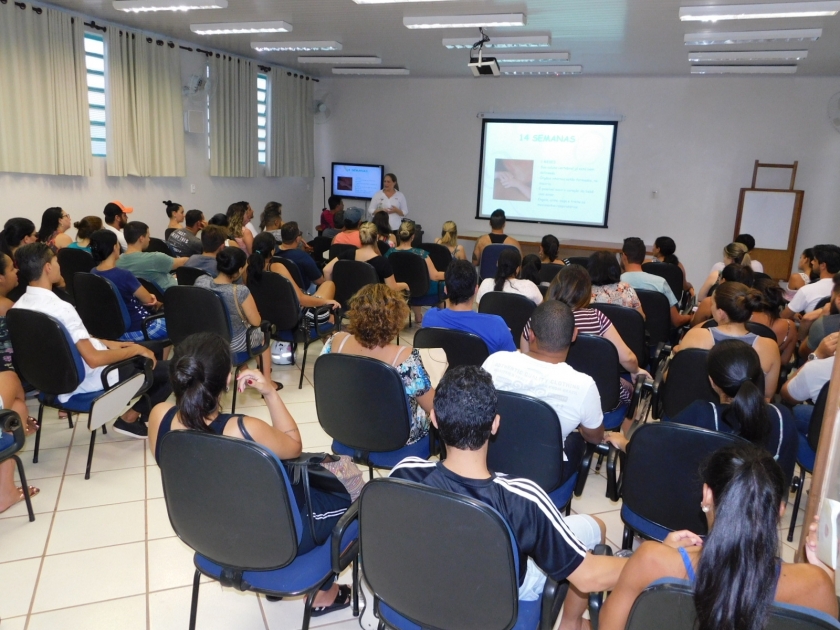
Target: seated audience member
(271,220)
(220,219)
(241,308)
(449,239)
(116,216)
(54,224)
(530,269)
(804,276)
(827,262)
(808,382)
(17,232)
(550,250)
(200,374)
(749,241)
(507,280)
(542,372)
(607,286)
(405,236)
(732,305)
(213,240)
(768,314)
(497,236)
(331,233)
(350,235)
(155,267)
(138,301)
(39,269)
(734,253)
(461,285)
(547,542)
(239,216)
(632,257)
(731,273)
(336,205)
(826,322)
(369,253)
(185,241)
(84,228)
(12,397)
(736,571)
(175,214)
(328,213)
(377,314)
(383,223)
(290,239)
(8,282)
(663,251)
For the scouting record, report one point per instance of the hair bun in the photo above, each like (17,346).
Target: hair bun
(187,371)
(167,203)
(77,224)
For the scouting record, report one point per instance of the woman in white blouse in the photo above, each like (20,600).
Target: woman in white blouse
(507,278)
(391,200)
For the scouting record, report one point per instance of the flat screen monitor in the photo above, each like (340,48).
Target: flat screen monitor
(357,181)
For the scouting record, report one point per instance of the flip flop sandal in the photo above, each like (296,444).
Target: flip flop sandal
(342,600)
(277,386)
(32,492)
(31,425)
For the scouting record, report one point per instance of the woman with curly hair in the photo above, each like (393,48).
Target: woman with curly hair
(377,314)
(239,214)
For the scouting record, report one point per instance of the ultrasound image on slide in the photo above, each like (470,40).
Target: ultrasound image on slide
(513,180)
(344,183)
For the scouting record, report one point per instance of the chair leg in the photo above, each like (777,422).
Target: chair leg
(69,420)
(370,472)
(90,454)
(569,508)
(194,603)
(307,610)
(233,403)
(303,363)
(104,430)
(599,462)
(356,587)
(25,487)
(627,539)
(38,434)
(796,503)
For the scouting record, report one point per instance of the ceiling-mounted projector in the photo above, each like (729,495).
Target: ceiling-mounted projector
(482,66)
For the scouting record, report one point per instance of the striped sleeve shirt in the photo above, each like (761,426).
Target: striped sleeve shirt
(589,321)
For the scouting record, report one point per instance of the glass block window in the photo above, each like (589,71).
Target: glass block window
(262,116)
(95,64)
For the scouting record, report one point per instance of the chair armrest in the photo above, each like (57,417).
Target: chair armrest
(553,596)
(662,369)
(148,320)
(10,423)
(318,311)
(341,560)
(267,329)
(142,363)
(613,486)
(597,599)
(637,395)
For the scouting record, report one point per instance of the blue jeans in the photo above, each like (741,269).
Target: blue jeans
(802,415)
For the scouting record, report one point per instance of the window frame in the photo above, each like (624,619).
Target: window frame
(91,106)
(262,129)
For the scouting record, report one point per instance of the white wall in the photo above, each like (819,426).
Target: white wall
(694,140)
(30,195)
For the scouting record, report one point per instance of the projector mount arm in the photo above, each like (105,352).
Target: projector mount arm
(479,45)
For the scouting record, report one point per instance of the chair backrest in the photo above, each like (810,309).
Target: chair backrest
(657,316)
(72,261)
(373,422)
(461,348)
(276,300)
(464,576)
(241,519)
(100,306)
(342,251)
(411,269)
(661,474)
(319,245)
(687,381)
(440,254)
(583,261)
(754,327)
(598,358)
(349,276)
(549,270)
(292,268)
(383,246)
(489,259)
(822,302)
(630,326)
(159,245)
(529,442)
(152,288)
(186,276)
(191,310)
(815,427)
(672,273)
(45,355)
(515,309)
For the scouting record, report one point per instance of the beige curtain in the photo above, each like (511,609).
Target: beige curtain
(233,117)
(145,120)
(291,144)
(44,125)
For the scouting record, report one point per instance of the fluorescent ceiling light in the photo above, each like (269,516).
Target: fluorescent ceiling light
(294,46)
(227,28)
(370,70)
(527,41)
(753,37)
(530,71)
(743,69)
(755,55)
(530,57)
(389,1)
(759,11)
(141,6)
(340,60)
(465,21)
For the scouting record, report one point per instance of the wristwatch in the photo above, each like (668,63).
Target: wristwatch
(812,356)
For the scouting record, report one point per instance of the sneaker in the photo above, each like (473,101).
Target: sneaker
(135,429)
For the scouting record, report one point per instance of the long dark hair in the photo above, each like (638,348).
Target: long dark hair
(509,261)
(572,286)
(261,250)
(667,247)
(15,230)
(531,266)
(738,301)
(49,223)
(603,268)
(198,372)
(735,367)
(550,247)
(736,575)
(774,297)
(102,245)
(230,260)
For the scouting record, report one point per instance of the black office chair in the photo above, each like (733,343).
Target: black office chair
(293,270)
(412,269)
(758,275)
(754,327)
(490,259)
(159,245)
(191,310)
(529,444)
(630,325)
(167,232)
(186,276)
(822,303)
(583,261)
(515,309)
(672,274)
(342,251)
(72,261)
(687,380)
(278,304)
(383,246)
(349,276)
(466,575)
(440,254)
(319,245)
(231,501)
(461,348)
(657,320)
(152,288)
(373,429)
(548,271)
(12,439)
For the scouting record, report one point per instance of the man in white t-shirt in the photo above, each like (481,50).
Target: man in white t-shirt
(116,216)
(543,373)
(827,260)
(808,382)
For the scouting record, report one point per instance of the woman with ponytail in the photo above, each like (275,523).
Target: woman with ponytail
(664,249)
(550,250)
(769,315)
(175,212)
(449,239)
(732,306)
(84,228)
(736,253)
(200,375)
(736,572)
(54,223)
(405,240)
(507,278)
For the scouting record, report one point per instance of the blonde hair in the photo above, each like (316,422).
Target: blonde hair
(368,233)
(738,253)
(406,231)
(449,234)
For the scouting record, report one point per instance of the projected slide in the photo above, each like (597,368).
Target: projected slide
(547,171)
(357,181)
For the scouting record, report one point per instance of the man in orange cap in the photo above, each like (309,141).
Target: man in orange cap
(116,216)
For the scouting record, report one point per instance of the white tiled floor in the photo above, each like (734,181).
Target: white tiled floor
(102,555)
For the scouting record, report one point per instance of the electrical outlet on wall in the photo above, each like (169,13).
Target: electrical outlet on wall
(192,189)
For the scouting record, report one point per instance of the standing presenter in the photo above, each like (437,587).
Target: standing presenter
(391,200)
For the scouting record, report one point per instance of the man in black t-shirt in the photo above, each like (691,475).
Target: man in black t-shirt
(465,415)
(289,248)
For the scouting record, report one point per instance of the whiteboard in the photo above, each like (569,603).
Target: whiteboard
(768,217)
